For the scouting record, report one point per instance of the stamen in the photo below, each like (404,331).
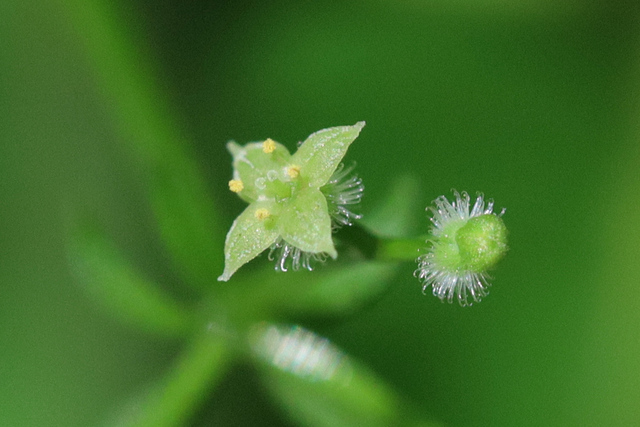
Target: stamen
(293,171)
(236,185)
(262,214)
(269,146)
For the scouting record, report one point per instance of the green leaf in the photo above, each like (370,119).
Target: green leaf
(175,398)
(185,215)
(306,224)
(318,385)
(335,291)
(249,235)
(115,284)
(399,214)
(188,224)
(321,153)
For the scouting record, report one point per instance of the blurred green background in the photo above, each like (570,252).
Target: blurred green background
(533,103)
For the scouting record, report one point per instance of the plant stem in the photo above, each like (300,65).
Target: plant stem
(400,249)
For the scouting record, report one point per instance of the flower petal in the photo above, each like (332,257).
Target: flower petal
(252,164)
(306,224)
(251,233)
(321,153)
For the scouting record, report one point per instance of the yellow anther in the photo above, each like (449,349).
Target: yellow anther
(293,171)
(236,185)
(269,146)
(262,213)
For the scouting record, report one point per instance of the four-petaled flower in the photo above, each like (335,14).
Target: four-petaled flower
(287,208)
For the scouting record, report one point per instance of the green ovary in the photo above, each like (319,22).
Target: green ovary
(482,242)
(277,189)
(475,245)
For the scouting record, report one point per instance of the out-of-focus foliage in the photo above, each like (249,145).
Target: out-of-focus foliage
(112,281)
(534,104)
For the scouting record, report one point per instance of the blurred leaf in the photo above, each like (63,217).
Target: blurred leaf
(335,291)
(318,385)
(186,219)
(114,283)
(324,292)
(173,400)
(125,78)
(179,196)
(397,215)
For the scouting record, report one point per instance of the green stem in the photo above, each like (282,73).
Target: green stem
(196,372)
(400,249)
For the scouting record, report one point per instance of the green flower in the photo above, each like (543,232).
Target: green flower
(289,210)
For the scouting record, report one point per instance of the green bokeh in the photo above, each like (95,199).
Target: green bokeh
(534,105)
